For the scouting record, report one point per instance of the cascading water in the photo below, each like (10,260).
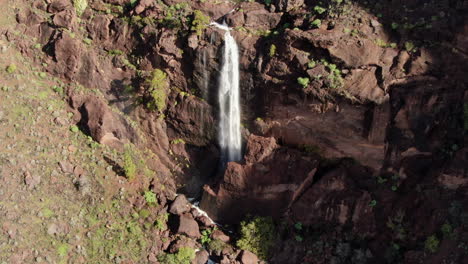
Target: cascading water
(228,97)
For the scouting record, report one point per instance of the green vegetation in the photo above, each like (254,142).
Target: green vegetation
(183,256)
(144,213)
(80,6)
(199,22)
(409,46)
(11,68)
(396,224)
(319,10)
(316,23)
(178,141)
(303,81)
(74,128)
(335,79)
(373,203)
(115,52)
(431,244)
(257,235)
(161,222)
(216,246)
(129,166)
(62,250)
(447,230)
(383,44)
(267,2)
(311,64)
(272,50)
(206,236)
(150,198)
(157,90)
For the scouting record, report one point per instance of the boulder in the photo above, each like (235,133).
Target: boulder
(247,257)
(59,5)
(201,257)
(188,226)
(219,235)
(96,118)
(65,19)
(180,205)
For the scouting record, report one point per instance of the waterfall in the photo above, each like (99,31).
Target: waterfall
(228,97)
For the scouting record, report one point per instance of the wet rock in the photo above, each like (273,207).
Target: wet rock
(180,205)
(266,186)
(188,226)
(247,257)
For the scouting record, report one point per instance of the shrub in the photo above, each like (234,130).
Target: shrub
(129,165)
(303,81)
(316,23)
(257,236)
(431,244)
(199,22)
(216,246)
(161,221)
(80,6)
(446,230)
(157,90)
(11,68)
(272,50)
(150,197)
(320,10)
(409,46)
(183,256)
(206,236)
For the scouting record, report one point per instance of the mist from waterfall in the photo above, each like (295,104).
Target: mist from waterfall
(228,97)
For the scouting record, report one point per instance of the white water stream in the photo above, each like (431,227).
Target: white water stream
(228,97)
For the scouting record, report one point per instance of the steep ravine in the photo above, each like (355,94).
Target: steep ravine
(353,113)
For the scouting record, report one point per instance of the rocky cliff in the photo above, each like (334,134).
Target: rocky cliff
(354,113)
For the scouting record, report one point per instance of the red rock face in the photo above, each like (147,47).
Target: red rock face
(399,110)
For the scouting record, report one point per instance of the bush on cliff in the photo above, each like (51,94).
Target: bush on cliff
(80,6)
(257,235)
(199,22)
(157,90)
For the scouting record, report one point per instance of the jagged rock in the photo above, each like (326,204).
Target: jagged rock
(264,187)
(188,226)
(97,119)
(99,28)
(29,18)
(180,205)
(66,167)
(288,5)
(247,257)
(336,199)
(66,19)
(31,180)
(59,5)
(363,84)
